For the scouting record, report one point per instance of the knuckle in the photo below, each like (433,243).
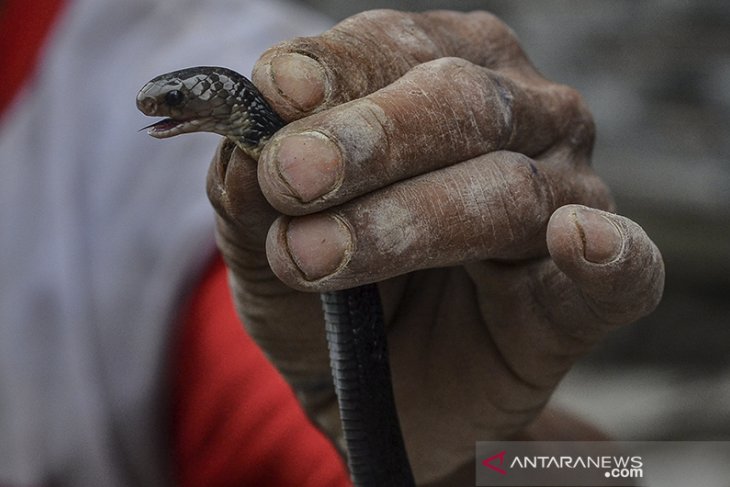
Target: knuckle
(492,31)
(383,44)
(390,31)
(478,102)
(497,26)
(527,203)
(581,130)
(448,64)
(522,205)
(590,190)
(374,16)
(522,176)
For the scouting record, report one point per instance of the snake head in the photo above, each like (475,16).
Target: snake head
(208,99)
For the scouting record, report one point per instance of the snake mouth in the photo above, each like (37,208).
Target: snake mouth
(170,127)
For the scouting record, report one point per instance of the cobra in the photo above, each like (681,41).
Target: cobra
(219,100)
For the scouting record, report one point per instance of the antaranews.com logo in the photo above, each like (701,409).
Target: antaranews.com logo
(603,463)
(541,465)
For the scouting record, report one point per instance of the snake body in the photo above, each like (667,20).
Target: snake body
(214,99)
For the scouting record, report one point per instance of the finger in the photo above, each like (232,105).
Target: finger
(371,50)
(244,218)
(286,324)
(611,260)
(234,192)
(439,113)
(494,206)
(604,272)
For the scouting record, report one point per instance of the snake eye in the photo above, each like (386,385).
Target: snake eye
(174,98)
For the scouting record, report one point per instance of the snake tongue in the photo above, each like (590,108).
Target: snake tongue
(163,128)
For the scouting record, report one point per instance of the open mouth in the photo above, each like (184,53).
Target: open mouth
(169,127)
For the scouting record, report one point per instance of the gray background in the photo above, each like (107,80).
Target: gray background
(656,75)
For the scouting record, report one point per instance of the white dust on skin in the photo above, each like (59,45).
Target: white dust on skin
(395,224)
(394,227)
(391,228)
(410,38)
(360,130)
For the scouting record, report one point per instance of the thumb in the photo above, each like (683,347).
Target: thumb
(233,190)
(285,323)
(616,266)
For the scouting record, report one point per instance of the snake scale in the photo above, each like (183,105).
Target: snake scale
(218,100)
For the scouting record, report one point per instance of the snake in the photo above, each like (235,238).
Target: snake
(222,101)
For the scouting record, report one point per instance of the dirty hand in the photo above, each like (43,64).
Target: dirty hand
(426,153)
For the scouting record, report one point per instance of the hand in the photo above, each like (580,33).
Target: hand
(426,153)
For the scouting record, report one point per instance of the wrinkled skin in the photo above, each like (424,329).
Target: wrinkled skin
(426,153)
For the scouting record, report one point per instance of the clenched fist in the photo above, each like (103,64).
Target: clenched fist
(427,154)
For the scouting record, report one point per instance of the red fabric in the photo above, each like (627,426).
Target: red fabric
(24,26)
(236,422)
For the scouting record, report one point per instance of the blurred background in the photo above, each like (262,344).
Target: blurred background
(656,75)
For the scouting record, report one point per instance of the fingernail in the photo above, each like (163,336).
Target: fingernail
(300,79)
(318,244)
(602,240)
(309,164)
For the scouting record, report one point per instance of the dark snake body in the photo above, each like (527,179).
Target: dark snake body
(222,101)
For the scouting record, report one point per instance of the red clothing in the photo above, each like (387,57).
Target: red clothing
(23,28)
(235,422)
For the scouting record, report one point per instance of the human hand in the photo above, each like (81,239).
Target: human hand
(428,155)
